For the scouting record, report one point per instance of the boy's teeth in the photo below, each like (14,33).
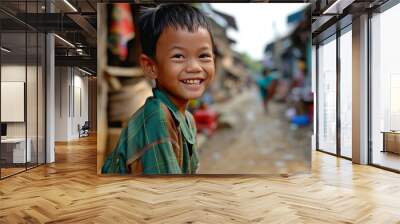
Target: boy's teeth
(192,81)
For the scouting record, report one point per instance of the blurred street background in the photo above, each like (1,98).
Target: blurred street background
(255,142)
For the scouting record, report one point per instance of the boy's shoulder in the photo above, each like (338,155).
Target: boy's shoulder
(150,112)
(148,124)
(152,117)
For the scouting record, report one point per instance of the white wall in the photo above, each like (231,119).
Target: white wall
(82,82)
(12,100)
(71,87)
(61,103)
(12,73)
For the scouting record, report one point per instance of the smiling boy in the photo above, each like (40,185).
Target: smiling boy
(177,52)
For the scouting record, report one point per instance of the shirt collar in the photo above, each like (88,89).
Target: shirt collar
(183,119)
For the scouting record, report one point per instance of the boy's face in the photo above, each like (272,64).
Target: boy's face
(184,63)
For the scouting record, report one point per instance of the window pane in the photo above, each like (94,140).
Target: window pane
(346,94)
(31,97)
(327,97)
(14,153)
(41,98)
(386,89)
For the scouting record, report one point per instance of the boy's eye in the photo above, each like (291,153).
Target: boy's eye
(178,56)
(205,55)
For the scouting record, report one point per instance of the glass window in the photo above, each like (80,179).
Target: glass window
(22,91)
(15,151)
(327,96)
(31,96)
(385,84)
(313,83)
(346,94)
(41,86)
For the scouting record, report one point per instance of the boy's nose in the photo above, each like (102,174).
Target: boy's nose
(193,66)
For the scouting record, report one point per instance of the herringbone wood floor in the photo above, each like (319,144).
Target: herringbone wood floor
(69,191)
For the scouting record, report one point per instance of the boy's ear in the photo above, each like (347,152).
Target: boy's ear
(148,65)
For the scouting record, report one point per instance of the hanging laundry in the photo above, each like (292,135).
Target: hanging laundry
(122,29)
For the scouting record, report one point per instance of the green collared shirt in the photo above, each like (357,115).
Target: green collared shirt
(148,140)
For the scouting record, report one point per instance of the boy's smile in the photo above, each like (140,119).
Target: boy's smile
(184,63)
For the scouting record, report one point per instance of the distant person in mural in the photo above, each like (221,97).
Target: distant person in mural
(177,52)
(267,86)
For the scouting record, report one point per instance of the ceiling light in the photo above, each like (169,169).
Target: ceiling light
(338,6)
(70,5)
(84,71)
(65,41)
(5,50)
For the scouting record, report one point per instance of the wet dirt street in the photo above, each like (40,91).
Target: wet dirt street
(258,142)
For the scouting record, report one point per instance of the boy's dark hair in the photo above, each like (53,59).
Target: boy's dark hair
(153,21)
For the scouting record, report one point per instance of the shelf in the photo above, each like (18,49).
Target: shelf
(124,72)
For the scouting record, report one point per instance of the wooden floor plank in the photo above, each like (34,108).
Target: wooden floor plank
(69,191)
